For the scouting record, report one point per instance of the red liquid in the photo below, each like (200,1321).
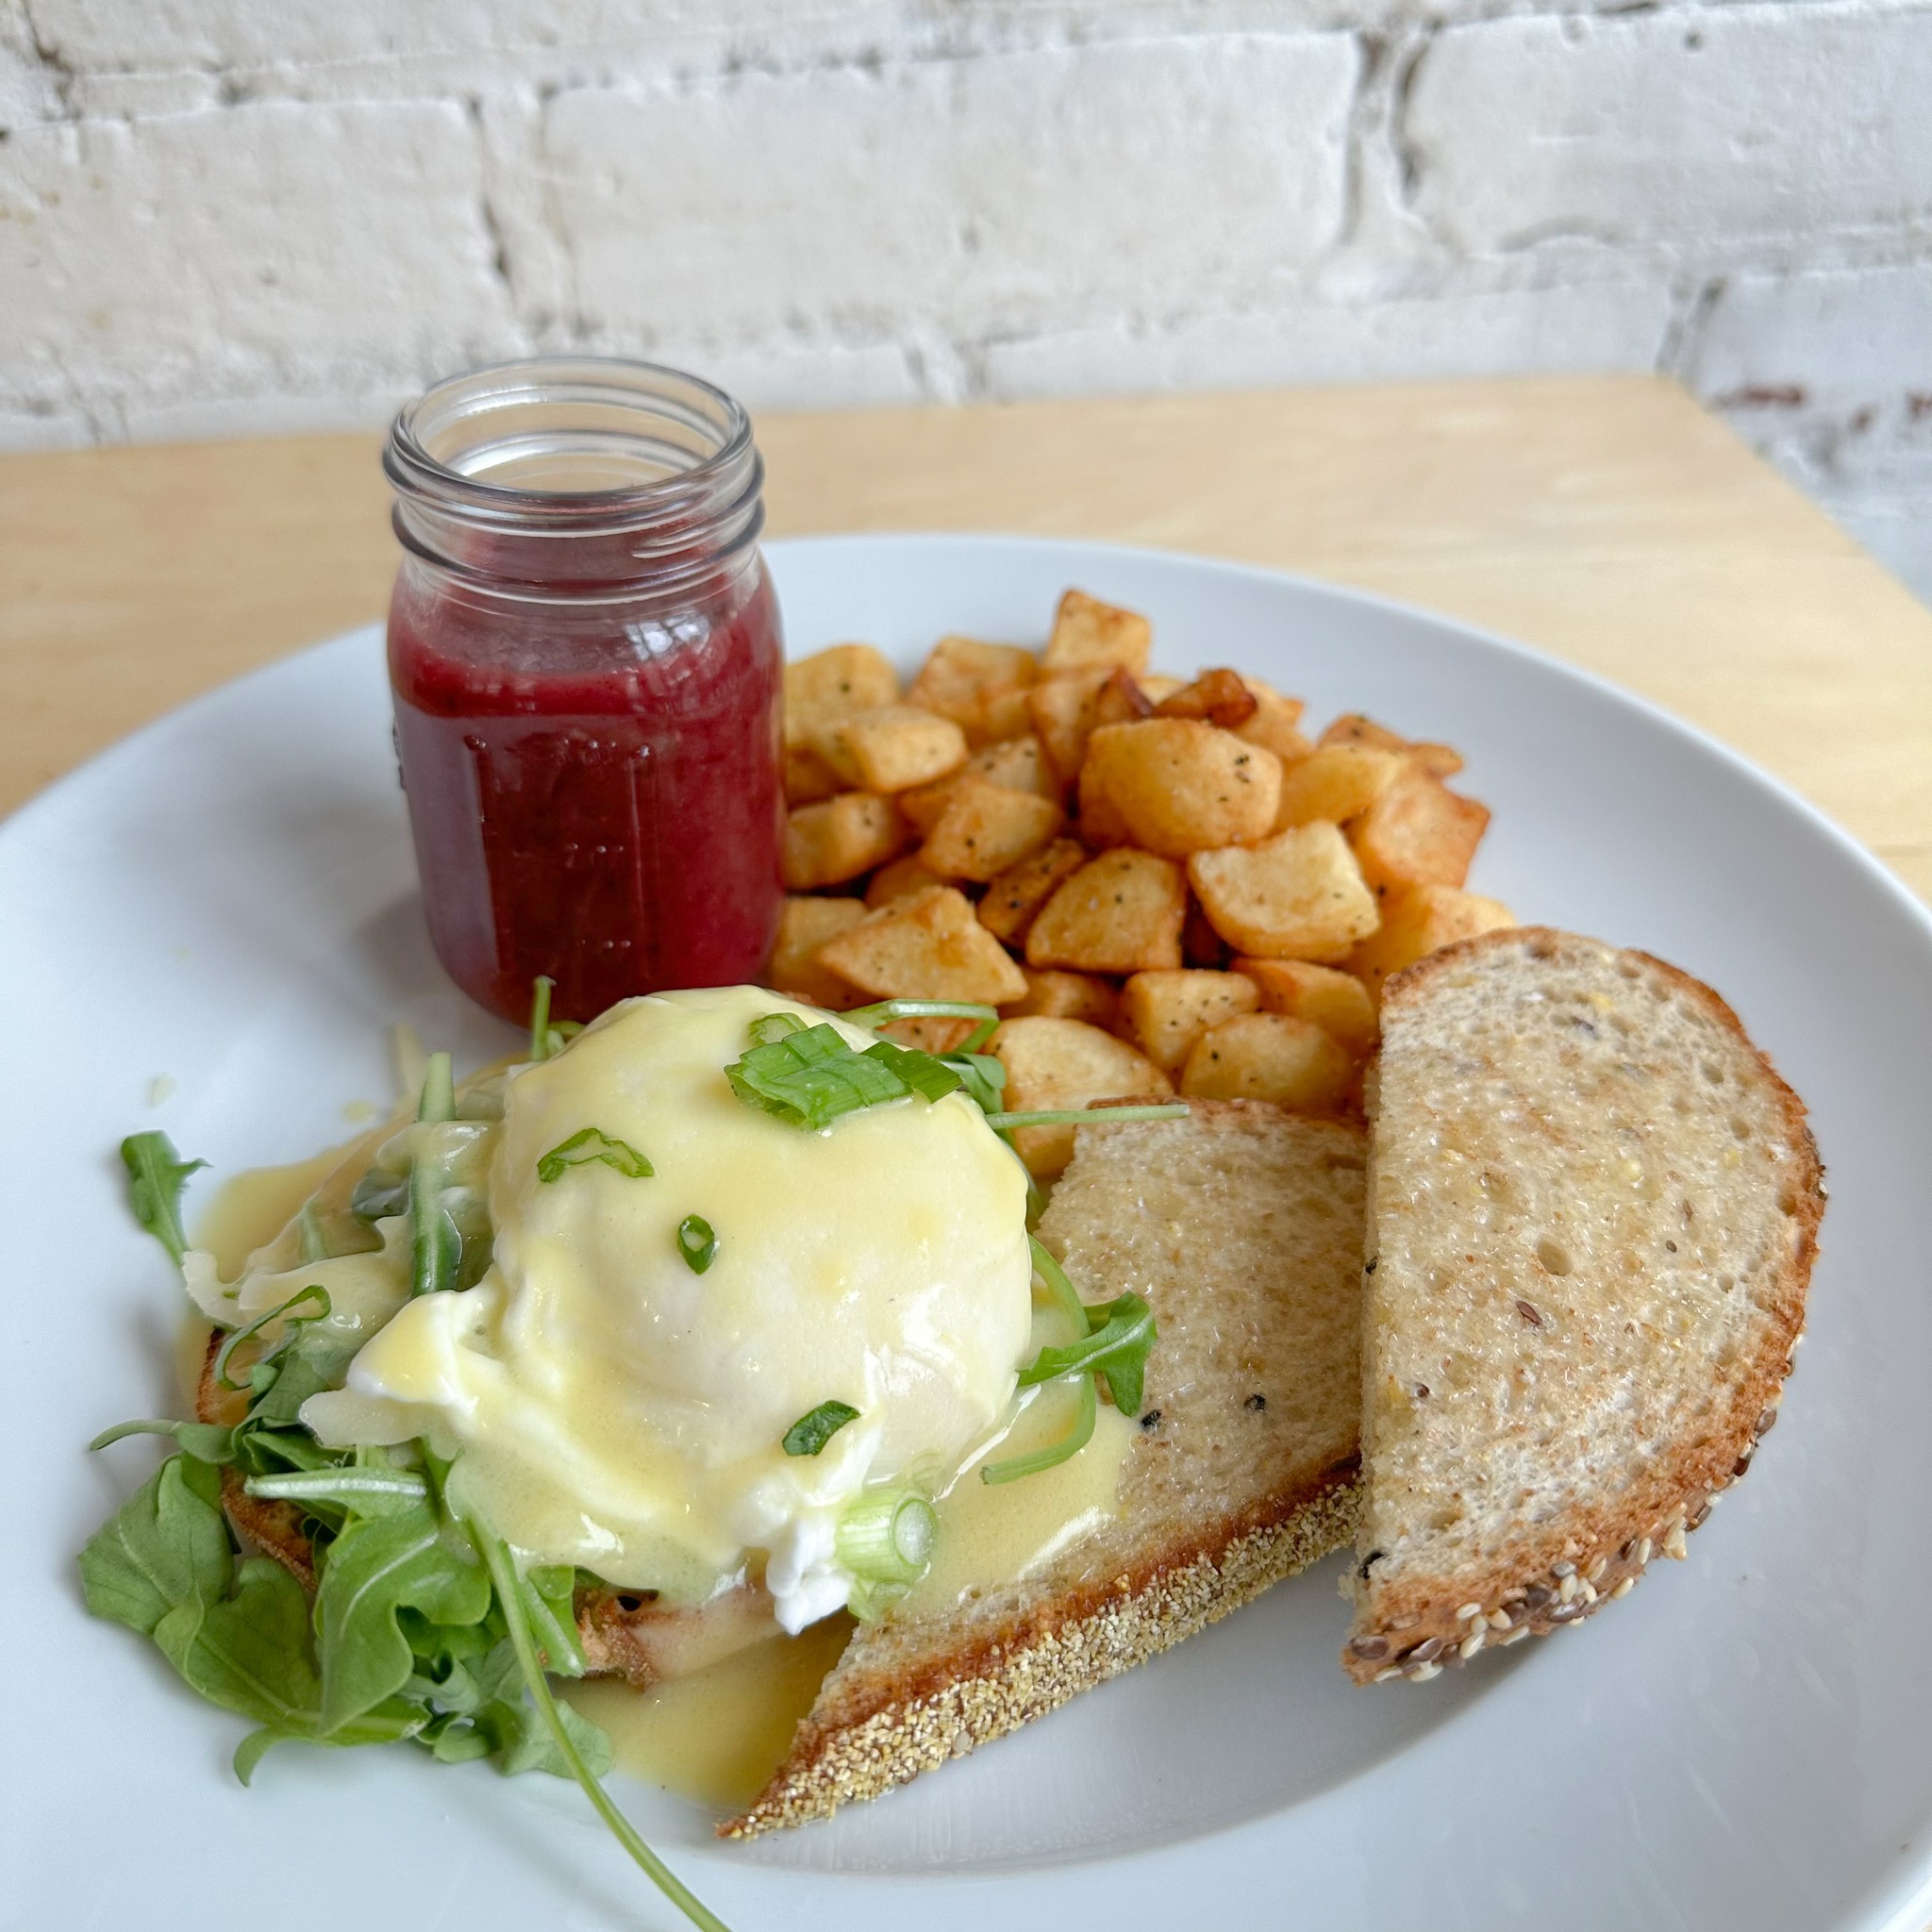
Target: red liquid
(595,790)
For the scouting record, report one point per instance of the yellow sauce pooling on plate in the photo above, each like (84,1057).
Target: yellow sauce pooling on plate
(718,1735)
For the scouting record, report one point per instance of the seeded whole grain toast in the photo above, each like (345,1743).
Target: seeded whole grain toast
(1594,1211)
(1242,1226)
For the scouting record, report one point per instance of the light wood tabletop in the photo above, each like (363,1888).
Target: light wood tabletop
(1607,520)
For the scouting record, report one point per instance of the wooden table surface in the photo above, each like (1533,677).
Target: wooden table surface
(1605,519)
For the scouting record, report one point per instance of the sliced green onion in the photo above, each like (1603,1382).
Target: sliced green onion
(438,1102)
(541,989)
(503,1573)
(768,1028)
(880,1012)
(314,1292)
(1075,1116)
(697,1241)
(592,1144)
(809,1434)
(338,1486)
(1069,1445)
(886,1536)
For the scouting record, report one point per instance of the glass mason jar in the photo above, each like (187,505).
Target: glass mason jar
(585,656)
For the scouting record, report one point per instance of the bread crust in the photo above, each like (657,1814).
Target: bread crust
(1565,1571)
(908,1723)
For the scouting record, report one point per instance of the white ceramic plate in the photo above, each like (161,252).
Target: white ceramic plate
(228,900)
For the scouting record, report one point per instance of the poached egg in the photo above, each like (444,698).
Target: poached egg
(615,1410)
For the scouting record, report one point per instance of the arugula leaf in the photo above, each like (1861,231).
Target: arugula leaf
(314,1292)
(380,1194)
(205,1441)
(165,1544)
(380,1565)
(1069,1445)
(809,1434)
(155,1175)
(592,1144)
(1121,1332)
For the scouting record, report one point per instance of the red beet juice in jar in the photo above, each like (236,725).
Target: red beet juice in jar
(584,650)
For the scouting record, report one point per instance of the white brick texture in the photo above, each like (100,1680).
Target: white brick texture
(224,215)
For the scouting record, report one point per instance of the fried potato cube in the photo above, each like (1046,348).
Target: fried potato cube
(1056,1063)
(1166,1012)
(1101,823)
(930,1032)
(804,926)
(988,828)
(1018,763)
(1181,787)
(839,838)
(899,880)
(1269,1057)
(1298,895)
(1067,996)
(1087,632)
(1277,723)
(1418,833)
(1336,782)
(1439,760)
(1121,912)
(1216,697)
(1013,900)
(808,777)
(893,747)
(968,682)
(831,685)
(1417,922)
(1338,1003)
(928,947)
(1066,713)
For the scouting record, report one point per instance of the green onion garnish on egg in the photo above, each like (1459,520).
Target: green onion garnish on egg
(809,1434)
(697,1241)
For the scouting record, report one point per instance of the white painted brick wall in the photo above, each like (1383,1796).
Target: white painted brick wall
(223,215)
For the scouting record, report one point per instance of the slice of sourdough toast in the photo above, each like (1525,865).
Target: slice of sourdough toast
(1242,1226)
(1594,1211)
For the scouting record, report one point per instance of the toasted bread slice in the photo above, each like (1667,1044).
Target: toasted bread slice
(1592,1217)
(1242,1226)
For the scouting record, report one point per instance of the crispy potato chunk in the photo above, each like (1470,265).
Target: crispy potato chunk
(928,947)
(1418,833)
(1066,713)
(1216,697)
(804,926)
(831,685)
(837,839)
(975,683)
(1167,1012)
(1180,786)
(1101,823)
(1087,632)
(988,828)
(1121,912)
(1054,1063)
(893,747)
(1335,783)
(1415,924)
(1277,723)
(1439,760)
(1066,996)
(1018,763)
(1338,1003)
(1013,900)
(899,880)
(930,1032)
(808,777)
(1269,1057)
(1298,895)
